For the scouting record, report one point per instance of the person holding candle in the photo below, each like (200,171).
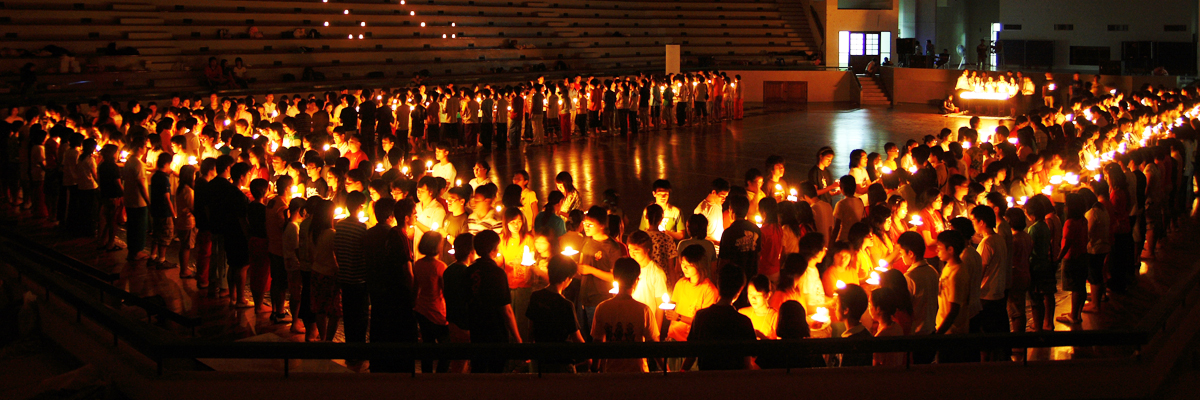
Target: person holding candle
(483,212)
(443,168)
(551,316)
(851,302)
(997,267)
(326,295)
(482,171)
(489,304)
(529,200)
(672,224)
(653,282)
(1019,283)
(1074,257)
(431,214)
(754,189)
(692,292)
(820,176)
(566,184)
(623,319)
(885,303)
(595,263)
(259,253)
(710,208)
(761,314)
(430,307)
(352,269)
(722,322)
(455,295)
(516,241)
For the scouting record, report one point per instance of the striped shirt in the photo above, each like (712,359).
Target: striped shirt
(348,245)
(489,221)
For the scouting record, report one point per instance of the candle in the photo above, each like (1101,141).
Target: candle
(822,315)
(497,208)
(226,122)
(883,266)
(912,169)
(874,279)
(1009,199)
(1056,179)
(340,214)
(404,170)
(296,192)
(527,258)
(840,284)
(1047,190)
(326,147)
(458,182)
(886,170)
(1098,177)
(616,289)
(758,220)
(192,160)
(966,145)
(1023,200)
(915,221)
(666,303)
(778,188)
(362,216)
(1072,178)
(1012,140)
(378,167)
(568,251)
(433,226)
(429,166)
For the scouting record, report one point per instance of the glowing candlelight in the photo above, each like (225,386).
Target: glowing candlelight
(404,170)
(433,226)
(124,155)
(1023,200)
(1053,86)
(458,182)
(840,284)
(498,208)
(886,170)
(1012,140)
(351,37)
(528,260)
(192,160)
(915,221)
(874,279)
(822,315)
(378,167)
(296,192)
(326,23)
(326,147)
(1072,178)
(569,251)
(364,23)
(1009,199)
(362,216)
(1048,190)
(345,12)
(1098,177)
(429,166)
(340,214)
(912,169)
(778,188)
(666,303)
(758,220)
(616,289)
(966,145)
(1056,179)
(883,266)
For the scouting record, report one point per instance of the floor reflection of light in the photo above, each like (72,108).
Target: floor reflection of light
(851,130)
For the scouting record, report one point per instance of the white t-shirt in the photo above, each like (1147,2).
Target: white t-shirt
(953,288)
(973,264)
(860,179)
(652,284)
(445,170)
(923,284)
(716,224)
(849,211)
(428,213)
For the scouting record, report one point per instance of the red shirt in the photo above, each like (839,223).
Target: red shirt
(356,158)
(772,246)
(933,224)
(1075,238)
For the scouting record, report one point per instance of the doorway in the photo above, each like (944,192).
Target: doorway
(785,92)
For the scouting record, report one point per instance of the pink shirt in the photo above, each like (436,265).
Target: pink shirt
(427,278)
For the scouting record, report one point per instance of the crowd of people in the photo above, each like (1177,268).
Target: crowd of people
(322,213)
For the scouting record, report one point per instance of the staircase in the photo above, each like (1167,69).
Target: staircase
(872,91)
(802,34)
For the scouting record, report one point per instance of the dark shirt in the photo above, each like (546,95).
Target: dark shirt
(227,208)
(593,290)
(487,298)
(740,245)
(857,359)
(822,178)
(349,117)
(200,205)
(487,106)
(320,122)
(367,115)
(160,186)
(109,175)
(256,217)
(303,123)
(721,322)
(551,316)
(454,281)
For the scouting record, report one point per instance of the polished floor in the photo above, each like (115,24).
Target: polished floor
(689,157)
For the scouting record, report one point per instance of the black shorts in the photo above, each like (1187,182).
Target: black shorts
(1074,274)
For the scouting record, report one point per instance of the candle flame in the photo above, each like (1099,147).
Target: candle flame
(874,279)
(840,284)
(362,216)
(378,167)
(886,170)
(616,289)
(569,251)
(822,315)
(527,257)
(915,221)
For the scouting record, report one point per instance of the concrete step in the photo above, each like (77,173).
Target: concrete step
(142,21)
(567,34)
(159,51)
(577,44)
(537,4)
(149,35)
(557,24)
(133,7)
(544,14)
(590,54)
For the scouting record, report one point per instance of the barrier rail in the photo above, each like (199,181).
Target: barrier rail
(161,347)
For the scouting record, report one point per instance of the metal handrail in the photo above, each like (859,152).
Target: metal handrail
(160,347)
(63,265)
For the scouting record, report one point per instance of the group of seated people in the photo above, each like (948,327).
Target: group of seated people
(296,218)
